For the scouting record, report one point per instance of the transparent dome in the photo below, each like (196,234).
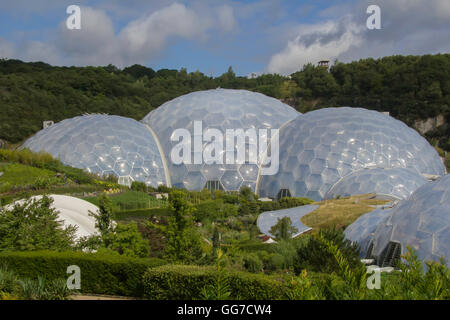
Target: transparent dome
(104,145)
(396,183)
(320,147)
(422,222)
(362,230)
(268,219)
(217,109)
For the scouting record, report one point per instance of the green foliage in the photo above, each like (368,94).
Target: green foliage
(284,203)
(183,243)
(220,290)
(41,289)
(127,240)
(181,282)
(34,225)
(409,87)
(214,210)
(314,255)
(141,213)
(103,217)
(131,200)
(283,229)
(414,282)
(101,273)
(315,82)
(30,289)
(45,161)
(303,288)
(9,282)
(23,175)
(216,239)
(284,254)
(353,276)
(138,186)
(252,263)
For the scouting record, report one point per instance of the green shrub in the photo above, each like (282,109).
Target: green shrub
(100,273)
(275,262)
(220,290)
(214,209)
(141,213)
(182,282)
(253,263)
(8,280)
(313,255)
(40,289)
(45,161)
(140,186)
(34,225)
(416,282)
(284,203)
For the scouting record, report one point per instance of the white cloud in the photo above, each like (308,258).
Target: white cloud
(408,27)
(97,43)
(314,43)
(94,44)
(39,51)
(226,18)
(145,37)
(6,49)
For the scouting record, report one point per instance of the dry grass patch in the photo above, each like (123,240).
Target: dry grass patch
(340,213)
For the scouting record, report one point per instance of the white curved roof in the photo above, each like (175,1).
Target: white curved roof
(73,211)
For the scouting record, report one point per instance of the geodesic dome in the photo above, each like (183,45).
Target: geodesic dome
(217,109)
(362,229)
(104,145)
(396,183)
(322,146)
(422,222)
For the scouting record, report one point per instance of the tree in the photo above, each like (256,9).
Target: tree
(103,217)
(313,255)
(122,238)
(34,225)
(183,242)
(127,240)
(215,239)
(284,229)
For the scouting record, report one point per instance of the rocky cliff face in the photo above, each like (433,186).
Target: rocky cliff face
(423,126)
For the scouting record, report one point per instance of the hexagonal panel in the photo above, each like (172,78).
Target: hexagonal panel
(104,145)
(231,180)
(219,109)
(350,139)
(422,221)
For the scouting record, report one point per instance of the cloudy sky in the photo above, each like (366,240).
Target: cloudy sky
(276,36)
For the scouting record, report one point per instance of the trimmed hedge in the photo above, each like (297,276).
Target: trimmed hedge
(100,273)
(186,282)
(141,213)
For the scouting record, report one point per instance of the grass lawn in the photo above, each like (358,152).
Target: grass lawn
(340,212)
(21,175)
(131,200)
